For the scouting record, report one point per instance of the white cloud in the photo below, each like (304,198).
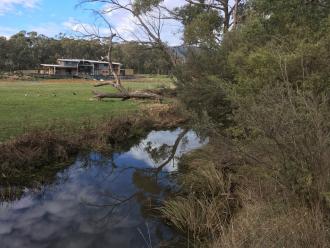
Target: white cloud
(122,21)
(49,29)
(70,24)
(9,5)
(159,138)
(171,4)
(80,28)
(7,32)
(125,24)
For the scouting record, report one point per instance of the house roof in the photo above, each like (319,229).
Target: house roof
(58,66)
(88,60)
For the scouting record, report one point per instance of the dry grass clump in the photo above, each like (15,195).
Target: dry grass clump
(262,224)
(165,115)
(115,133)
(22,157)
(207,200)
(226,203)
(273,215)
(200,218)
(121,132)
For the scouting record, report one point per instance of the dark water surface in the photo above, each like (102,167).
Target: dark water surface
(101,201)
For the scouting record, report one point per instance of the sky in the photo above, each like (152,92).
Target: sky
(51,17)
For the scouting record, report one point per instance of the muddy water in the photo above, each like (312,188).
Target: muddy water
(102,201)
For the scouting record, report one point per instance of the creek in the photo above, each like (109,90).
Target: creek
(102,200)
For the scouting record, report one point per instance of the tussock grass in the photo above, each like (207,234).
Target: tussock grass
(241,206)
(206,201)
(271,215)
(262,224)
(201,218)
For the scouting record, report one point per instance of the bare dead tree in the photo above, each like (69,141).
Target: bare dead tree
(149,23)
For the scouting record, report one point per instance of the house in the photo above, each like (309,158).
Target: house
(80,67)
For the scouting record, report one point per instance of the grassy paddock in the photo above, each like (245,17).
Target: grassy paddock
(37,104)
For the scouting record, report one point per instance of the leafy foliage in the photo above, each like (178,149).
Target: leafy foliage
(264,92)
(143,6)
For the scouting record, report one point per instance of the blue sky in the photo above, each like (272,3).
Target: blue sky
(44,16)
(51,17)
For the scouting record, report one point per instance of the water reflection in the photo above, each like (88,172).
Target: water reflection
(101,201)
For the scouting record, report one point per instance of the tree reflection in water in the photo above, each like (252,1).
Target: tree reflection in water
(147,181)
(151,184)
(102,200)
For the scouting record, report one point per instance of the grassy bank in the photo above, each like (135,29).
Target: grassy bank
(34,158)
(25,105)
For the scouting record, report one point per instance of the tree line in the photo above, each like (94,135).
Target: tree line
(27,50)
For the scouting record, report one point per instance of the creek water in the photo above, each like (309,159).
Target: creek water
(102,200)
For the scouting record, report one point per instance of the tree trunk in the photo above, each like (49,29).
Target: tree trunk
(103,84)
(128,95)
(235,14)
(226,20)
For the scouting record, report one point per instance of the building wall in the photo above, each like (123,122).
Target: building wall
(103,70)
(99,69)
(129,72)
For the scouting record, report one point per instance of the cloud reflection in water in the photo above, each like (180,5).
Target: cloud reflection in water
(65,214)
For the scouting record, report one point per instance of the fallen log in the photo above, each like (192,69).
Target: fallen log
(103,84)
(128,95)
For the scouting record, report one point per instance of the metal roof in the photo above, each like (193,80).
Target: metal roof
(58,66)
(88,60)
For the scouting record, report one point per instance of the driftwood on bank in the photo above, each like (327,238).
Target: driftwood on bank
(103,84)
(127,95)
(123,93)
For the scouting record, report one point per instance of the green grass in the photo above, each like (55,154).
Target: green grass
(30,104)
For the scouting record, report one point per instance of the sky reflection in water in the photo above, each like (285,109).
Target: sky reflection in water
(99,201)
